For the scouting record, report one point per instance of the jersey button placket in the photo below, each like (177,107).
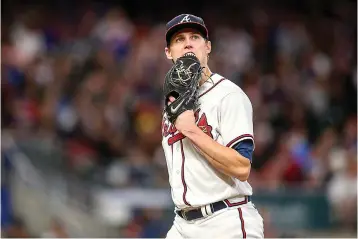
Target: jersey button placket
(178,151)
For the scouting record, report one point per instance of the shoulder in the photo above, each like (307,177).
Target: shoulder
(224,87)
(230,87)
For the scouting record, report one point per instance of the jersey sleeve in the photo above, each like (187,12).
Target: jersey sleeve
(235,119)
(245,148)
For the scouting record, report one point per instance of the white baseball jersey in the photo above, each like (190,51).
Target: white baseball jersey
(225,114)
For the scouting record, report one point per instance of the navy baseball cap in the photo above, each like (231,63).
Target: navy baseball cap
(185,21)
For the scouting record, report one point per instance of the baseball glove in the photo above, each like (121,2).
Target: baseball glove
(182,82)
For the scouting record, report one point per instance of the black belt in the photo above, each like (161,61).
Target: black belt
(216,206)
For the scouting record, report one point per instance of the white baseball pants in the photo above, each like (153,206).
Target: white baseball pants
(242,221)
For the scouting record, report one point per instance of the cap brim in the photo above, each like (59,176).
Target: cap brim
(171,31)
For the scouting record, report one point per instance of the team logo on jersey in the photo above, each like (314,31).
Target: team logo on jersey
(204,126)
(175,136)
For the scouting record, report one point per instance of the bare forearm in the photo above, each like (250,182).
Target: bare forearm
(221,167)
(225,159)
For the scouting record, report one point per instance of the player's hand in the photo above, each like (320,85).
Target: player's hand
(171,99)
(186,122)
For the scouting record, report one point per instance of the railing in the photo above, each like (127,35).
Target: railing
(41,193)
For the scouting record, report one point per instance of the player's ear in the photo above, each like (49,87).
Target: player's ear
(168,53)
(208,47)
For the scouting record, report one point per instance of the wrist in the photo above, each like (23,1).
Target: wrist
(192,132)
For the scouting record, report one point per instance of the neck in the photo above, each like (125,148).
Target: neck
(205,75)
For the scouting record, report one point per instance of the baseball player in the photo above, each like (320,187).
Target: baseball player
(209,150)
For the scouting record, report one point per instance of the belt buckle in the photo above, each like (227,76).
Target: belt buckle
(184,215)
(185,210)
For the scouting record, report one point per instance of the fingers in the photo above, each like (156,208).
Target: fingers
(171,99)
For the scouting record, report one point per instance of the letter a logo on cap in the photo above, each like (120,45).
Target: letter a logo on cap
(185,19)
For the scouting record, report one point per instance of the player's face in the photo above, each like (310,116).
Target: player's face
(188,40)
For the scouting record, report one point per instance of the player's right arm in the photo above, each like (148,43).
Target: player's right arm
(225,159)
(235,126)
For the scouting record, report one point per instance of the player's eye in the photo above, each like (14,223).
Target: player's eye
(195,37)
(179,39)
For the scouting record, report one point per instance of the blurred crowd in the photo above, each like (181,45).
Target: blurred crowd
(92,84)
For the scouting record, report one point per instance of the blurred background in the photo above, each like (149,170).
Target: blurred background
(81,112)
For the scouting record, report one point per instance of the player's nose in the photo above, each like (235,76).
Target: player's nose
(188,44)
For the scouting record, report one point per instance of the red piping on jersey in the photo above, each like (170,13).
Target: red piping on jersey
(211,87)
(182,174)
(236,203)
(242,223)
(238,138)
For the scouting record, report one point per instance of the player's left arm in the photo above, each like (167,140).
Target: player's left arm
(235,120)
